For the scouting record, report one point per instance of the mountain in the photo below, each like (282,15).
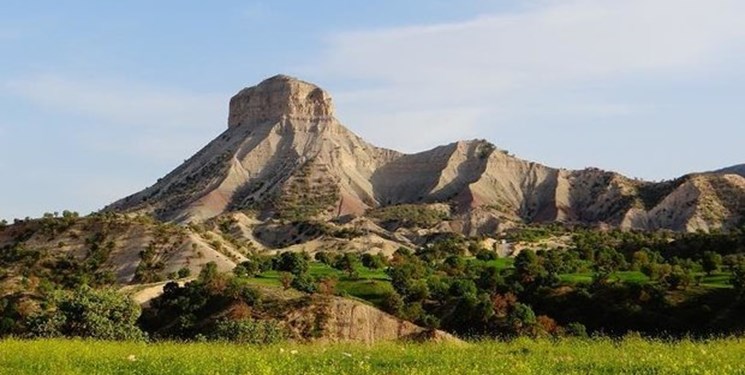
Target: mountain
(735,169)
(286,158)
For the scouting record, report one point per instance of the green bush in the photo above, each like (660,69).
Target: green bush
(184,272)
(248,331)
(88,313)
(304,283)
(409,215)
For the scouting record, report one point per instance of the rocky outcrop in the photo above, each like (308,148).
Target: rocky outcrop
(285,156)
(277,98)
(336,319)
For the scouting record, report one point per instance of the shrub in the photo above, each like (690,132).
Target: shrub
(348,263)
(393,303)
(184,272)
(89,313)
(409,215)
(248,331)
(304,283)
(294,263)
(373,262)
(576,329)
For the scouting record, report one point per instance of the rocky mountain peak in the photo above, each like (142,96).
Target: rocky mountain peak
(280,97)
(286,157)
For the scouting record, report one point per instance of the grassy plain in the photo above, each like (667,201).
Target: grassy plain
(631,355)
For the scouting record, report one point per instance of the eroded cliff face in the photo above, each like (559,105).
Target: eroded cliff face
(277,98)
(286,156)
(345,320)
(283,151)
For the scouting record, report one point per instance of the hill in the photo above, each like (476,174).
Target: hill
(285,156)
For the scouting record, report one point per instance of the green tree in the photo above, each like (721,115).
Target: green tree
(304,283)
(738,278)
(183,272)
(89,313)
(373,262)
(349,262)
(393,303)
(710,262)
(325,258)
(294,263)
(607,261)
(521,319)
(246,269)
(528,268)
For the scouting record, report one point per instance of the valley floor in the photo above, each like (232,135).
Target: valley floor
(524,356)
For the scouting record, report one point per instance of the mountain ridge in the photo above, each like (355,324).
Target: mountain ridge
(285,156)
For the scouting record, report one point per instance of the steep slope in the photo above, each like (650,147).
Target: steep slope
(283,151)
(105,249)
(285,156)
(735,169)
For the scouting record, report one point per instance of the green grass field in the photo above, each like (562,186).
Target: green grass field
(373,285)
(524,356)
(716,280)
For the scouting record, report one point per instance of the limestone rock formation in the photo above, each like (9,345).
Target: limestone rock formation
(285,156)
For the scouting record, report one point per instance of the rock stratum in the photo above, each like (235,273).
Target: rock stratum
(285,156)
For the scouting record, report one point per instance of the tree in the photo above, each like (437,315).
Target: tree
(294,263)
(393,303)
(183,272)
(730,261)
(246,269)
(373,262)
(607,261)
(528,268)
(454,265)
(639,259)
(711,261)
(576,329)
(738,278)
(521,319)
(304,283)
(325,258)
(349,263)
(486,255)
(678,278)
(403,275)
(208,273)
(89,313)
(490,278)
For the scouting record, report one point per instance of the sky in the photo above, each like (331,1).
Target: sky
(98,99)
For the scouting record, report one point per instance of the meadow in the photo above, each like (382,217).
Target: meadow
(373,285)
(631,355)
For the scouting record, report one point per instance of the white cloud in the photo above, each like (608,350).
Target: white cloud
(505,65)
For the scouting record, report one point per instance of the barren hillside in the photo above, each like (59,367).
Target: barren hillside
(285,156)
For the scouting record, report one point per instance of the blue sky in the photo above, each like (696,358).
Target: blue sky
(99,99)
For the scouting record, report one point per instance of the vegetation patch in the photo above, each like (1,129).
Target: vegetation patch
(568,356)
(408,216)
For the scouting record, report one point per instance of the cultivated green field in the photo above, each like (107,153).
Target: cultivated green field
(373,285)
(524,356)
